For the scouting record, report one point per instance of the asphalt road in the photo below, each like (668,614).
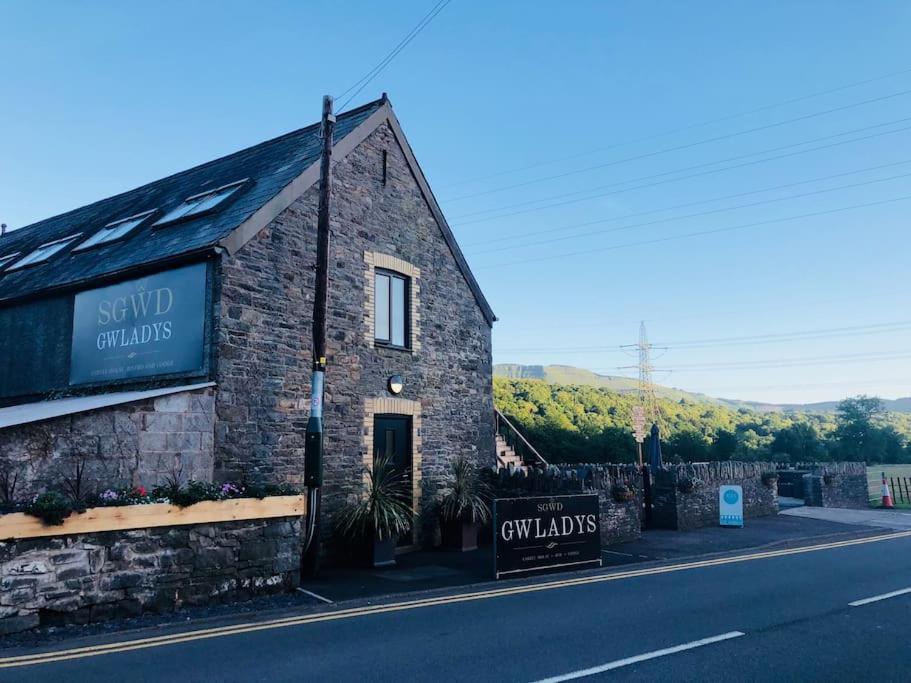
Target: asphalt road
(779,615)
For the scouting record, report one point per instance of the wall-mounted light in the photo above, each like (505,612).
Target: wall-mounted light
(395,384)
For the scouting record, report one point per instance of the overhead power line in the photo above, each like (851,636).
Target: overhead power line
(682,129)
(798,362)
(677,148)
(365,80)
(683,169)
(584,224)
(670,219)
(701,233)
(777,337)
(891,381)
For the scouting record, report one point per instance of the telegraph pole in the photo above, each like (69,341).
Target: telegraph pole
(313,445)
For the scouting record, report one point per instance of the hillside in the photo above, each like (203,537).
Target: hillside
(583,423)
(567,374)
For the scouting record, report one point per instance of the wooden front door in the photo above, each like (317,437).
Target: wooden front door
(392,440)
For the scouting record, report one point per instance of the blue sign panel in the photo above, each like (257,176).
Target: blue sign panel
(141,328)
(730,505)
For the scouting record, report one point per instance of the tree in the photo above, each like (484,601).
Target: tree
(724,446)
(800,442)
(857,434)
(860,410)
(689,446)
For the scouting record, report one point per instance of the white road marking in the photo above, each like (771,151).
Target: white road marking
(314,595)
(877,598)
(582,673)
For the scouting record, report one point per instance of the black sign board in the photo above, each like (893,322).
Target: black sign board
(151,326)
(546,532)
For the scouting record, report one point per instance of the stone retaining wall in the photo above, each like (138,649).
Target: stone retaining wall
(837,485)
(620,521)
(674,509)
(92,577)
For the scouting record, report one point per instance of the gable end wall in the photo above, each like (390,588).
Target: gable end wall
(264,315)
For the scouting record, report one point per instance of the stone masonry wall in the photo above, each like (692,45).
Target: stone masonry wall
(93,577)
(837,485)
(264,322)
(620,521)
(673,509)
(130,444)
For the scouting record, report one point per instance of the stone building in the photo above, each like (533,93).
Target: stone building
(165,331)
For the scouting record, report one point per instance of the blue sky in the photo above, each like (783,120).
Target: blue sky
(660,119)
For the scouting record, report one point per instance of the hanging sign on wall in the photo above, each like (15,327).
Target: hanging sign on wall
(140,328)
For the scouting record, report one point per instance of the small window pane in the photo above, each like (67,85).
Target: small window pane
(109,233)
(44,252)
(398,311)
(381,308)
(4,260)
(176,213)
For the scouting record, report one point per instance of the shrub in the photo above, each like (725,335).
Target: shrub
(50,507)
(382,511)
(466,495)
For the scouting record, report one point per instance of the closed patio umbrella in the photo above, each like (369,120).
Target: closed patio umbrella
(654,448)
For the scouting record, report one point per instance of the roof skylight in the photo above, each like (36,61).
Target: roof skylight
(44,252)
(115,230)
(7,258)
(203,202)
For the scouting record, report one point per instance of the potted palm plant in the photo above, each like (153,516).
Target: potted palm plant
(382,515)
(463,507)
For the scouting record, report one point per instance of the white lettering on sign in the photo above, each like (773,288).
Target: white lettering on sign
(566,525)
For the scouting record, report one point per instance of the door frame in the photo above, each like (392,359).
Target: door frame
(398,407)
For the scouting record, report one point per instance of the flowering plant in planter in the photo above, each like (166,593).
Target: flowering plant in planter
(622,493)
(53,507)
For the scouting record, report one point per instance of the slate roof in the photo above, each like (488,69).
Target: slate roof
(269,165)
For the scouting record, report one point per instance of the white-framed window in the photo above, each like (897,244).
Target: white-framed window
(44,252)
(201,203)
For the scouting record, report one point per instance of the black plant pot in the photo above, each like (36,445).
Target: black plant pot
(459,535)
(383,552)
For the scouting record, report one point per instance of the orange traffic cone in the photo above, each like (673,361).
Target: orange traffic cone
(887,496)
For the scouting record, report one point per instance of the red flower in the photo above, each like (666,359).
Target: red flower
(140,491)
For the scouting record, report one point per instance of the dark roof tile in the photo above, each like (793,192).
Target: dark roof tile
(269,165)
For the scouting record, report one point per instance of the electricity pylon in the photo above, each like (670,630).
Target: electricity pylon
(646,411)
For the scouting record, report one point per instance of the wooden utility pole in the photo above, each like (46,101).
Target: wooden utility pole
(313,446)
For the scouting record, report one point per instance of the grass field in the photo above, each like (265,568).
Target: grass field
(874,481)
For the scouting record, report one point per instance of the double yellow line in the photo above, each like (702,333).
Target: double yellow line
(139,644)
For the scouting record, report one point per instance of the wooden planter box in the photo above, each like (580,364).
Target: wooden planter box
(18,525)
